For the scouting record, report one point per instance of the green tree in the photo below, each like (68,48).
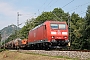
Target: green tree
(87,24)
(86,31)
(0,37)
(25,30)
(76,28)
(60,15)
(44,16)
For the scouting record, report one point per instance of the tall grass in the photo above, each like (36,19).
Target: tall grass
(2,50)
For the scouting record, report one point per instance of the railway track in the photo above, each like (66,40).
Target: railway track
(80,54)
(70,50)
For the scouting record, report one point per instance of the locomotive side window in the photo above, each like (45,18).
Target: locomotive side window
(45,27)
(62,26)
(54,26)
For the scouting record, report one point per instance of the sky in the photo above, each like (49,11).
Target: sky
(32,8)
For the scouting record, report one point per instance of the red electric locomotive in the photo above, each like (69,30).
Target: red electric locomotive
(49,34)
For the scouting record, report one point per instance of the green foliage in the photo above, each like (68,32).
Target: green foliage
(86,31)
(60,15)
(0,37)
(2,50)
(76,28)
(87,24)
(25,30)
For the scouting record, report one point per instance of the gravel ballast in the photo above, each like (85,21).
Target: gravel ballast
(71,54)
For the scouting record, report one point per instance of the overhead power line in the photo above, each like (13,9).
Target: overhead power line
(53,3)
(41,7)
(67,3)
(43,4)
(79,6)
(48,4)
(56,16)
(63,7)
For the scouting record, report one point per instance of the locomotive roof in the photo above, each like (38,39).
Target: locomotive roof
(37,27)
(56,21)
(45,22)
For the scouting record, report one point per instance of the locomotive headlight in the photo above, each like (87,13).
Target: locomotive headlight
(64,33)
(53,32)
(65,37)
(53,37)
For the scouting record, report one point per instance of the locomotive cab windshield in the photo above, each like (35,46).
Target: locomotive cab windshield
(58,26)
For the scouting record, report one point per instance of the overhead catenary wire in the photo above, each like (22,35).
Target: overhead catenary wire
(63,7)
(41,7)
(48,4)
(79,6)
(68,3)
(54,3)
(43,4)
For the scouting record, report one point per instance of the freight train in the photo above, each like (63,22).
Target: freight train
(50,34)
